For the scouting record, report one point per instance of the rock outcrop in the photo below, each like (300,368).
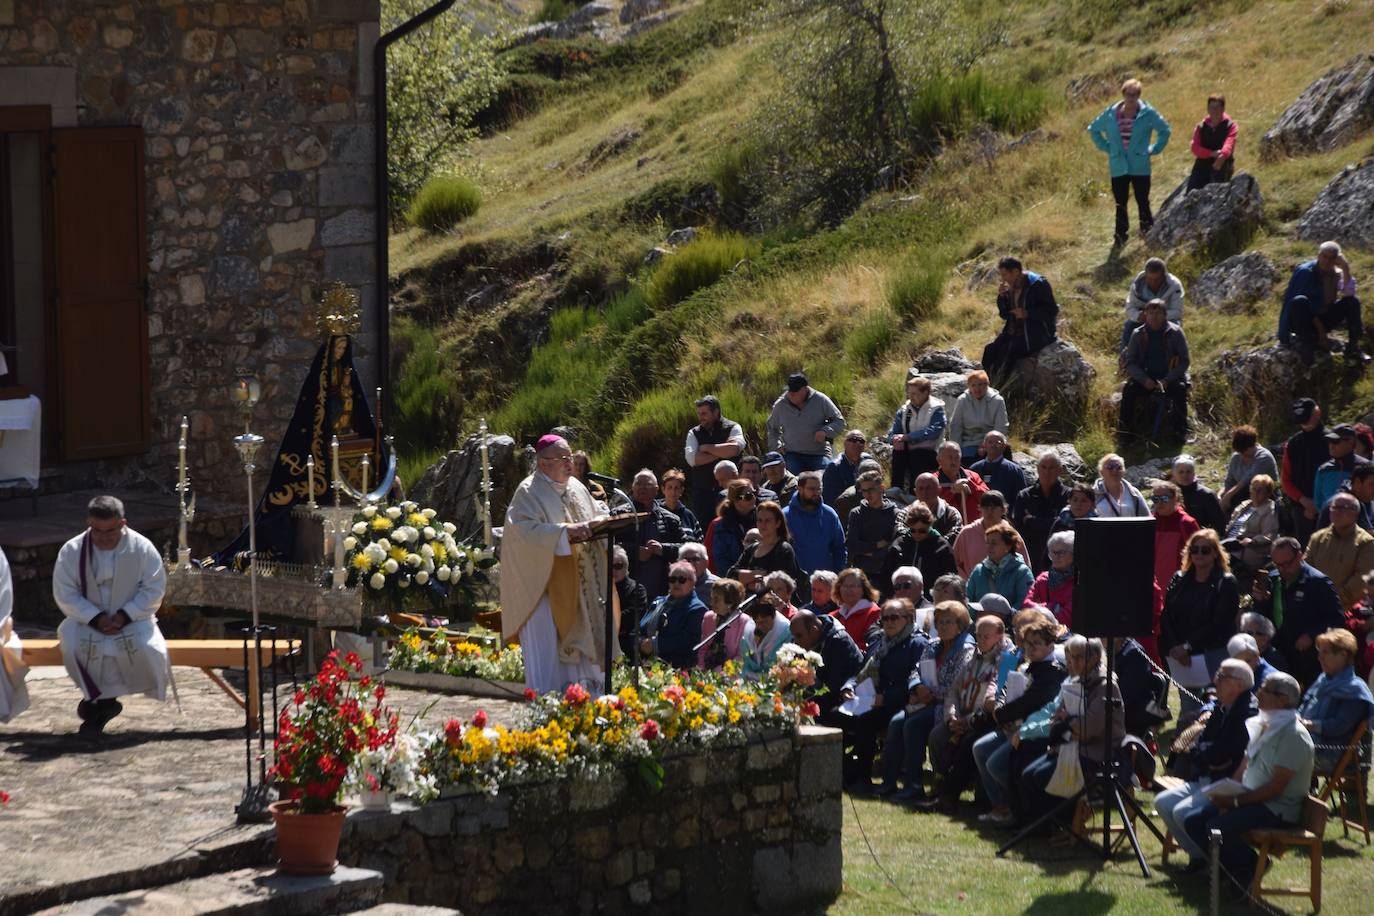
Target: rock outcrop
(453,484)
(1330,112)
(1263,382)
(1213,218)
(950,360)
(1344,210)
(1057,380)
(1236,282)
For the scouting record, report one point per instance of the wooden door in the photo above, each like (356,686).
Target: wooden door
(100,239)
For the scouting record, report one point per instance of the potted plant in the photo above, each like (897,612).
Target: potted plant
(319,737)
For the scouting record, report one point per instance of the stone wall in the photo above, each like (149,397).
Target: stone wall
(732,831)
(257,117)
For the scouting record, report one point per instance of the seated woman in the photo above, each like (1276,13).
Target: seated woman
(908,731)
(1080,715)
(822,593)
(1275,775)
(1002,571)
(778,589)
(1249,459)
(1116,496)
(1243,647)
(1252,528)
(759,647)
(634,601)
(1200,609)
(1338,700)
(1053,588)
(858,611)
(965,717)
(977,411)
(726,595)
(734,517)
(892,655)
(1215,754)
(772,553)
(907,582)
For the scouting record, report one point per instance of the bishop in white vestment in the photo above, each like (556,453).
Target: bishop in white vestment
(109,582)
(14,697)
(553,579)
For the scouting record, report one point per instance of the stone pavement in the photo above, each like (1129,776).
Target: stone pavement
(151,803)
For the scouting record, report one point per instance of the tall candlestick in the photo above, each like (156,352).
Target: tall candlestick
(184,514)
(486,480)
(310,480)
(334,448)
(367,466)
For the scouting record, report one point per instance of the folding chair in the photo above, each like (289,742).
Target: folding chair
(1273,843)
(1347,777)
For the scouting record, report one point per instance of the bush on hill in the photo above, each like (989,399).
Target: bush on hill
(698,264)
(444,203)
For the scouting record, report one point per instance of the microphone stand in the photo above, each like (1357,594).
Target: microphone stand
(634,626)
(734,615)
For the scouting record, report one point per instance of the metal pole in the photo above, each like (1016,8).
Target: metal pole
(383,192)
(610,589)
(1108,758)
(1214,849)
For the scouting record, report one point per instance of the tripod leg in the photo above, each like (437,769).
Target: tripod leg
(1066,804)
(1130,832)
(1144,818)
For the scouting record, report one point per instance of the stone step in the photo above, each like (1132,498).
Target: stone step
(243,892)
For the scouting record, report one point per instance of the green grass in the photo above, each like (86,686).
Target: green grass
(955,103)
(695,266)
(444,203)
(915,291)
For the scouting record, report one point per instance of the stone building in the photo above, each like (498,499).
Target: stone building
(180,180)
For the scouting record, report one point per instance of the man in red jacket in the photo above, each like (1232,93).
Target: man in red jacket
(960,487)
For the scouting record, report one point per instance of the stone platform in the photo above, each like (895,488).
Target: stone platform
(151,804)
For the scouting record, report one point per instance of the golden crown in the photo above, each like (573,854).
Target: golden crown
(339,311)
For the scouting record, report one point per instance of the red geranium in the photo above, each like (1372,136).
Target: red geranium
(576,695)
(649,730)
(530,695)
(809,708)
(480,720)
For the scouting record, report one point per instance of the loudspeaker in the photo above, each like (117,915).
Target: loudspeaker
(1114,576)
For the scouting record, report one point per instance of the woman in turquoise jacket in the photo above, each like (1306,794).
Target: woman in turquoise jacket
(1124,133)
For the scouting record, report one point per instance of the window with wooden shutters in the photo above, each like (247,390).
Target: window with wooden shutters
(100,241)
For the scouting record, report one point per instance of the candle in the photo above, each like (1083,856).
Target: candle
(367,466)
(181,448)
(310,479)
(334,447)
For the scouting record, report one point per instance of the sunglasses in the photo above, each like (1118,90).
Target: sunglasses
(905,583)
(745,498)
(1157,498)
(1200,549)
(890,617)
(1061,553)
(619,565)
(1113,466)
(678,580)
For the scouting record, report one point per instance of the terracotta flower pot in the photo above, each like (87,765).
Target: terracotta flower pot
(307,844)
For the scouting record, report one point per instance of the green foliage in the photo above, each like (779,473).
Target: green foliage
(915,291)
(952,103)
(870,339)
(730,171)
(555,10)
(444,203)
(438,79)
(425,386)
(697,264)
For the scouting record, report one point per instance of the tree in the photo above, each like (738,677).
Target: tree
(438,78)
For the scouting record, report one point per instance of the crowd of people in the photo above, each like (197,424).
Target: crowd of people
(941,600)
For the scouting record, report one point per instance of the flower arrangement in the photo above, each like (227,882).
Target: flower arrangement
(328,724)
(389,767)
(796,666)
(577,734)
(441,655)
(401,551)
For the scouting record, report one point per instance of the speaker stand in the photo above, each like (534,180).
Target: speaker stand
(1109,790)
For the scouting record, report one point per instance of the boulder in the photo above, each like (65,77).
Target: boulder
(950,360)
(982,275)
(1330,112)
(947,386)
(1262,383)
(1074,465)
(656,254)
(1056,377)
(453,484)
(681,236)
(1213,218)
(1344,210)
(1154,469)
(1236,282)
(618,142)
(635,10)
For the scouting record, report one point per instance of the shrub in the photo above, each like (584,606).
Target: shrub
(555,10)
(915,291)
(696,266)
(868,340)
(444,203)
(424,389)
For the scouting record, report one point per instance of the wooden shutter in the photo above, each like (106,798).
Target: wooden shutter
(102,329)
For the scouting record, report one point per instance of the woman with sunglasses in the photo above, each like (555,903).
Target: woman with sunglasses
(888,662)
(772,553)
(1116,497)
(1200,608)
(1173,527)
(735,515)
(1053,588)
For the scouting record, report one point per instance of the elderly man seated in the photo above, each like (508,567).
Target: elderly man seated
(1275,777)
(1321,298)
(1156,363)
(109,582)
(674,625)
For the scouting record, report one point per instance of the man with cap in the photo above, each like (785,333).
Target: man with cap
(802,425)
(1361,486)
(778,479)
(841,473)
(1305,451)
(553,576)
(1200,502)
(714,439)
(1340,444)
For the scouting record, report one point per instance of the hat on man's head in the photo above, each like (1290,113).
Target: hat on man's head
(1303,409)
(771,459)
(548,442)
(1341,431)
(796,381)
(991,603)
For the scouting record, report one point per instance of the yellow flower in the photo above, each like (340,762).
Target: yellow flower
(361,562)
(381,523)
(398,554)
(416,520)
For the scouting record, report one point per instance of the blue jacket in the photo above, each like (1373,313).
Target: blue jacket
(1012,579)
(894,671)
(838,476)
(1135,159)
(679,631)
(817,537)
(1335,706)
(1310,607)
(1004,476)
(728,541)
(1305,281)
(1331,475)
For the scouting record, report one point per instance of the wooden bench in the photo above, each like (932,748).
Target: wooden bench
(1275,842)
(1165,783)
(205,654)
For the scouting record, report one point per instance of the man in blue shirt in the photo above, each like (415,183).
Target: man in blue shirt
(1321,298)
(843,470)
(999,472)
(817,536)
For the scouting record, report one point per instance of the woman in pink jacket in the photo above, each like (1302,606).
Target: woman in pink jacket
(1214,145)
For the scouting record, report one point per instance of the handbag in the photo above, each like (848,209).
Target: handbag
(1067,780)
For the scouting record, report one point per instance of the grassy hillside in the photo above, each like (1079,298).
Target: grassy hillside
(539,310)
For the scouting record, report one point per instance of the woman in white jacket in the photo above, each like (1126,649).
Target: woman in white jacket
(977,412)
(1116,498)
